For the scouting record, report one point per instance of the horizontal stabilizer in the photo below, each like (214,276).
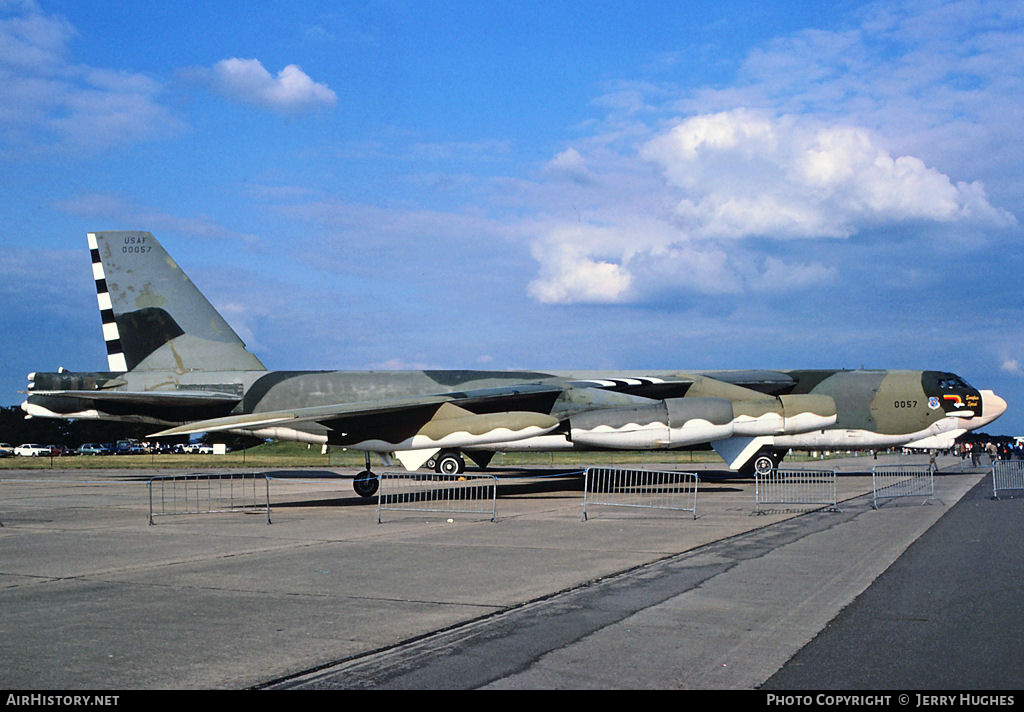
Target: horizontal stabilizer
(158,398)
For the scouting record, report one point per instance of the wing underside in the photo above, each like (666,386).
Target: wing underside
(421,422)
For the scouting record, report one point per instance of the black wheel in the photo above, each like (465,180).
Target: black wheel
(450,463)
(365,484)
(766,461)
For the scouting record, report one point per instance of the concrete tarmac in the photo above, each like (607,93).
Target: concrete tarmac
(944,616)
(94,597)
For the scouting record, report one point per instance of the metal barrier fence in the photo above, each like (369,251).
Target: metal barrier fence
(1007,475)
(446,494)
(787,488)
(893,481)
(176,495)
(648,489)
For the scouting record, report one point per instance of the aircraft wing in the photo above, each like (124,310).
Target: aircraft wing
(445,419)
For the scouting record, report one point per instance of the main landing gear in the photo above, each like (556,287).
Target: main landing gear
(447,462)
(366,483)
(766,460)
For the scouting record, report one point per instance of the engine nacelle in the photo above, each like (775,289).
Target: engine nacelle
(785,415)
(677,422)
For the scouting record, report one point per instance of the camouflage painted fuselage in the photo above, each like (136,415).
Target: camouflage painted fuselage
(593,410)
(175,362)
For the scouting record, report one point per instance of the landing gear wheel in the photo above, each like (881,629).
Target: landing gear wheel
(365,484)
(450,463)
(765,462)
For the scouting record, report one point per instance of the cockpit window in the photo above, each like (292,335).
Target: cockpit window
(945,383)
(951,382)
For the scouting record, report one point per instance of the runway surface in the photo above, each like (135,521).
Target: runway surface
(944,616)
(325,597)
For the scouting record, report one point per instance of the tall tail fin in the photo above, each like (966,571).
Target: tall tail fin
(154,317)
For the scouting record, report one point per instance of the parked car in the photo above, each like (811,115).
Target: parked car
(128,447)
(93,449)
(6,449)
(32,450)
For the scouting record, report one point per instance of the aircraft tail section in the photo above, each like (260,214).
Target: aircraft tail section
(154,317)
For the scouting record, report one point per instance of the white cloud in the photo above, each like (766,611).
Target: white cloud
(570,164)
(939,80)
(742,173)
(52,105)
(649,260)
(671,217)
(1012,366)
(292,89)
(570,274)
(34,42)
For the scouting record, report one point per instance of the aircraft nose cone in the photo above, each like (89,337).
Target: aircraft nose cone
(992,406)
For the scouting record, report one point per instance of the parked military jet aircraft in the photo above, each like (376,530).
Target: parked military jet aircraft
(176,363)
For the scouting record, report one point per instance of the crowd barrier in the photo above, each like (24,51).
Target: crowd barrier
(647,489)
(895,481)
(795,488)
(475,494)
(1007,475)
(175,495)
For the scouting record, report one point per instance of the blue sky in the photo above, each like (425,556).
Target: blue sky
(406,184)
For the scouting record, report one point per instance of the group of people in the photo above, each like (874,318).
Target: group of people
(994,450)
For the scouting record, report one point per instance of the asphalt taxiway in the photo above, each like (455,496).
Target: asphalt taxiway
(94,597)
